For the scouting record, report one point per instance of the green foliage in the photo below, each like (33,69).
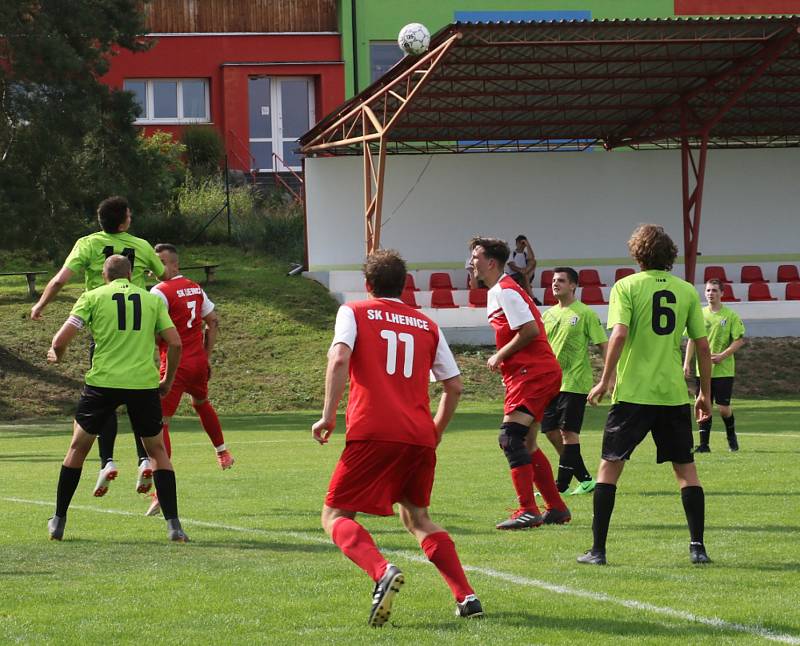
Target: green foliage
(66,140)
(204,150)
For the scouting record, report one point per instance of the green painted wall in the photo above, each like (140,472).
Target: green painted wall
(381,20)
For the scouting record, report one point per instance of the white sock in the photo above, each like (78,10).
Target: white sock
(220,448)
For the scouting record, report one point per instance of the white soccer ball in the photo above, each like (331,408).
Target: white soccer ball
(414,39)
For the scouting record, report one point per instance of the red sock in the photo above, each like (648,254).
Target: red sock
(441,551)
(522,477)
(210,422)
(543,477)
(167,443)
(357,545)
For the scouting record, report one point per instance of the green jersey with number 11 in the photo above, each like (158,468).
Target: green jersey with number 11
(124,320)
(657,307)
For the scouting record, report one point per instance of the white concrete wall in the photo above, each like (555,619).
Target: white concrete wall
(570,205)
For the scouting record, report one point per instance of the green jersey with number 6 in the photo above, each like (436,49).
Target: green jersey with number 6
(657,307)
(90,252)
(123,320)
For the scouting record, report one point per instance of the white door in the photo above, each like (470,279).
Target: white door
(281,109)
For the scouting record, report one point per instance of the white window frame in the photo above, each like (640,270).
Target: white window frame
(148,119)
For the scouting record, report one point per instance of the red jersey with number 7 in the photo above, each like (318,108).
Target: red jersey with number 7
(187,304)
(395,350)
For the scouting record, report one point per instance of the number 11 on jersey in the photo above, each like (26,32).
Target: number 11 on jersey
(392,339)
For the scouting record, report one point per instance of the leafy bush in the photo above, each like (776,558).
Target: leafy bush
(204,150)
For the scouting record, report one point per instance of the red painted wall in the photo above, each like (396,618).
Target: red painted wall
(206,56)
(735,7)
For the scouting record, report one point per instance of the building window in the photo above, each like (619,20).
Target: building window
(170,100)
(382,57)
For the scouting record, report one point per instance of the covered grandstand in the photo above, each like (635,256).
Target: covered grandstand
(687,85)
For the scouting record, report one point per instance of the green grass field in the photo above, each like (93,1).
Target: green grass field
(260,570)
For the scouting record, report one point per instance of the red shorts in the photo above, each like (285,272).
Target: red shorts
(192,378)
(372,475)
(534,394)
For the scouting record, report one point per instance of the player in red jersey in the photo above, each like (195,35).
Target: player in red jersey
(389,351)
(194,316)
(532,377)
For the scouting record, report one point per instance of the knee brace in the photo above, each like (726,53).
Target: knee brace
(512,441)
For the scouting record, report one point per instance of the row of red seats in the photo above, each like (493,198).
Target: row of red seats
(753,274)
(592,295)
(591,277)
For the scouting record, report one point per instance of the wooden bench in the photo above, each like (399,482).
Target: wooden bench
(31,278)
(209,269)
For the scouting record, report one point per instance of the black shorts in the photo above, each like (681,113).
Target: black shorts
(97,404)
(565,413)
(721,390)
(628,424)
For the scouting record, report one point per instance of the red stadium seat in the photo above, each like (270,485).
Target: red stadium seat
(410,283)
(793,291)
(714,271)
(409,299)
(727,294)
(589,278)
(477,297)
(759,292)
(549,298)
(440,280)
(622,272)
(442,299)
(546,279)
(788,274)
(752,274)
(593,295)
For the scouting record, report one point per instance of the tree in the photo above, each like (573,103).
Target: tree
(66,139)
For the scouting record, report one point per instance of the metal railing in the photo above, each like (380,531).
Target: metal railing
(251,164)
(280,182)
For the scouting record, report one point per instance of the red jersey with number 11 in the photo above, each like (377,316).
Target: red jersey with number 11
(395,350)
(188,304)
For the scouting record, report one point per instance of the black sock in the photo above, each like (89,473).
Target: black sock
(68,481)
(603,503)
(565,469)
(106,440)
(705,431)
(167,494)
(140,448)
(694,504)
(730,424)
(581,472)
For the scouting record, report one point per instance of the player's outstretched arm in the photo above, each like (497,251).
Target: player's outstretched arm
(702,405)
(212,328)
(55,285)
(335,382)
(174,349)
(613,352)
(448,402)
(63,338)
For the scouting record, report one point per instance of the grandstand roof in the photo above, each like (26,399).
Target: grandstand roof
(567,84)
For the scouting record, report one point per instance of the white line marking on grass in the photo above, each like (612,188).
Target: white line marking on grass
(601,597)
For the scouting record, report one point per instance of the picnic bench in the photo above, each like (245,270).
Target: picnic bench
(30,277)
(209,269)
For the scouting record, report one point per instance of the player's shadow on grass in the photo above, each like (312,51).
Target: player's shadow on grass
(261,546)
(757,529)
(722,494)
(11,363)
(590,625)
(32,457)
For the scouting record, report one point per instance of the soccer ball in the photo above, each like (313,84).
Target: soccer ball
(414,39)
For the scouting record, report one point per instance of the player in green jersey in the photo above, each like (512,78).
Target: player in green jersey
(88,255)
(725,336)
(124,321)
(647,314)
(571,328)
